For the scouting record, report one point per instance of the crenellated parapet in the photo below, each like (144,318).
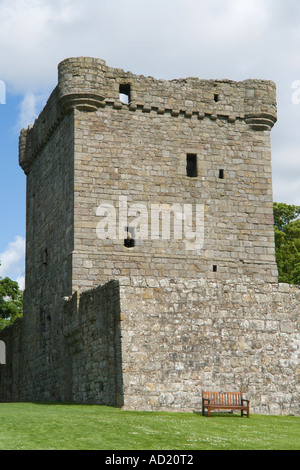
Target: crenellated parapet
(33,139)
(88,84)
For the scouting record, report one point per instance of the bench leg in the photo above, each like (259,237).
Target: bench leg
(246,413)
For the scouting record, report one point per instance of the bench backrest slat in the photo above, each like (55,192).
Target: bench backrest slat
(217,398)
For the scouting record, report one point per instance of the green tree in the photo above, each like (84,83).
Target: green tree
(287,242)
(11,302)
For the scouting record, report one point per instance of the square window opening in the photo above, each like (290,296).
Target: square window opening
(124,93)
(191,165)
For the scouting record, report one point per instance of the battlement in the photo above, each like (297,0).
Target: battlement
(88,84)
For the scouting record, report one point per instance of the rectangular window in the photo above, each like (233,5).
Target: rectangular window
(124,93)
(191,165)
(2,353)
(129,241)
(45,257)
(221,174)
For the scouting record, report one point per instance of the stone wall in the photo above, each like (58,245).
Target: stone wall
(47,158)
(153,344)
(138,151)
(84,365)
(145,162)
(91,326)
(49,246)
(182,336)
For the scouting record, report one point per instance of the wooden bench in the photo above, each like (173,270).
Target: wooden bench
(224,401)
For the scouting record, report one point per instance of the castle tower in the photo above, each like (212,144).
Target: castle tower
(178,145)
(150,257)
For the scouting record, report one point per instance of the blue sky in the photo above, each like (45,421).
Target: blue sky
(234,39)
(12,192)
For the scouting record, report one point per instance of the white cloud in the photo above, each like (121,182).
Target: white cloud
(227,23)
(29,109)
(286,175)
(28,40)
(235,39)
(160,37)
(13,261)
(21,281)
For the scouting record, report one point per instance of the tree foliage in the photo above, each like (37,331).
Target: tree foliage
(11,302)
(287,242)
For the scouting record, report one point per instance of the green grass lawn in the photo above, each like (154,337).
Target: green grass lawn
(28,426)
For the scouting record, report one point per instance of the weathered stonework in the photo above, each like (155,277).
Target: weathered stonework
(149,326)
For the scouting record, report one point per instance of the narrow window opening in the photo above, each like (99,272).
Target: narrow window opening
(221,174)
(124,93)
(216,97)
(2,353)
(191,165)
(129,241)
(215,268)
(45,257)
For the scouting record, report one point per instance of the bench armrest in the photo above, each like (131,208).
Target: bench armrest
(247,401)
(205,399)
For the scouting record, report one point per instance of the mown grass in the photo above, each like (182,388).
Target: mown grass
(29,426)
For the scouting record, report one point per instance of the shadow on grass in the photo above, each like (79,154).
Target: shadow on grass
(220,414)
(216,414)
(66,403)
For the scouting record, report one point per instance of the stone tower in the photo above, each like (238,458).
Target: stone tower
(150,259)
(139,151)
